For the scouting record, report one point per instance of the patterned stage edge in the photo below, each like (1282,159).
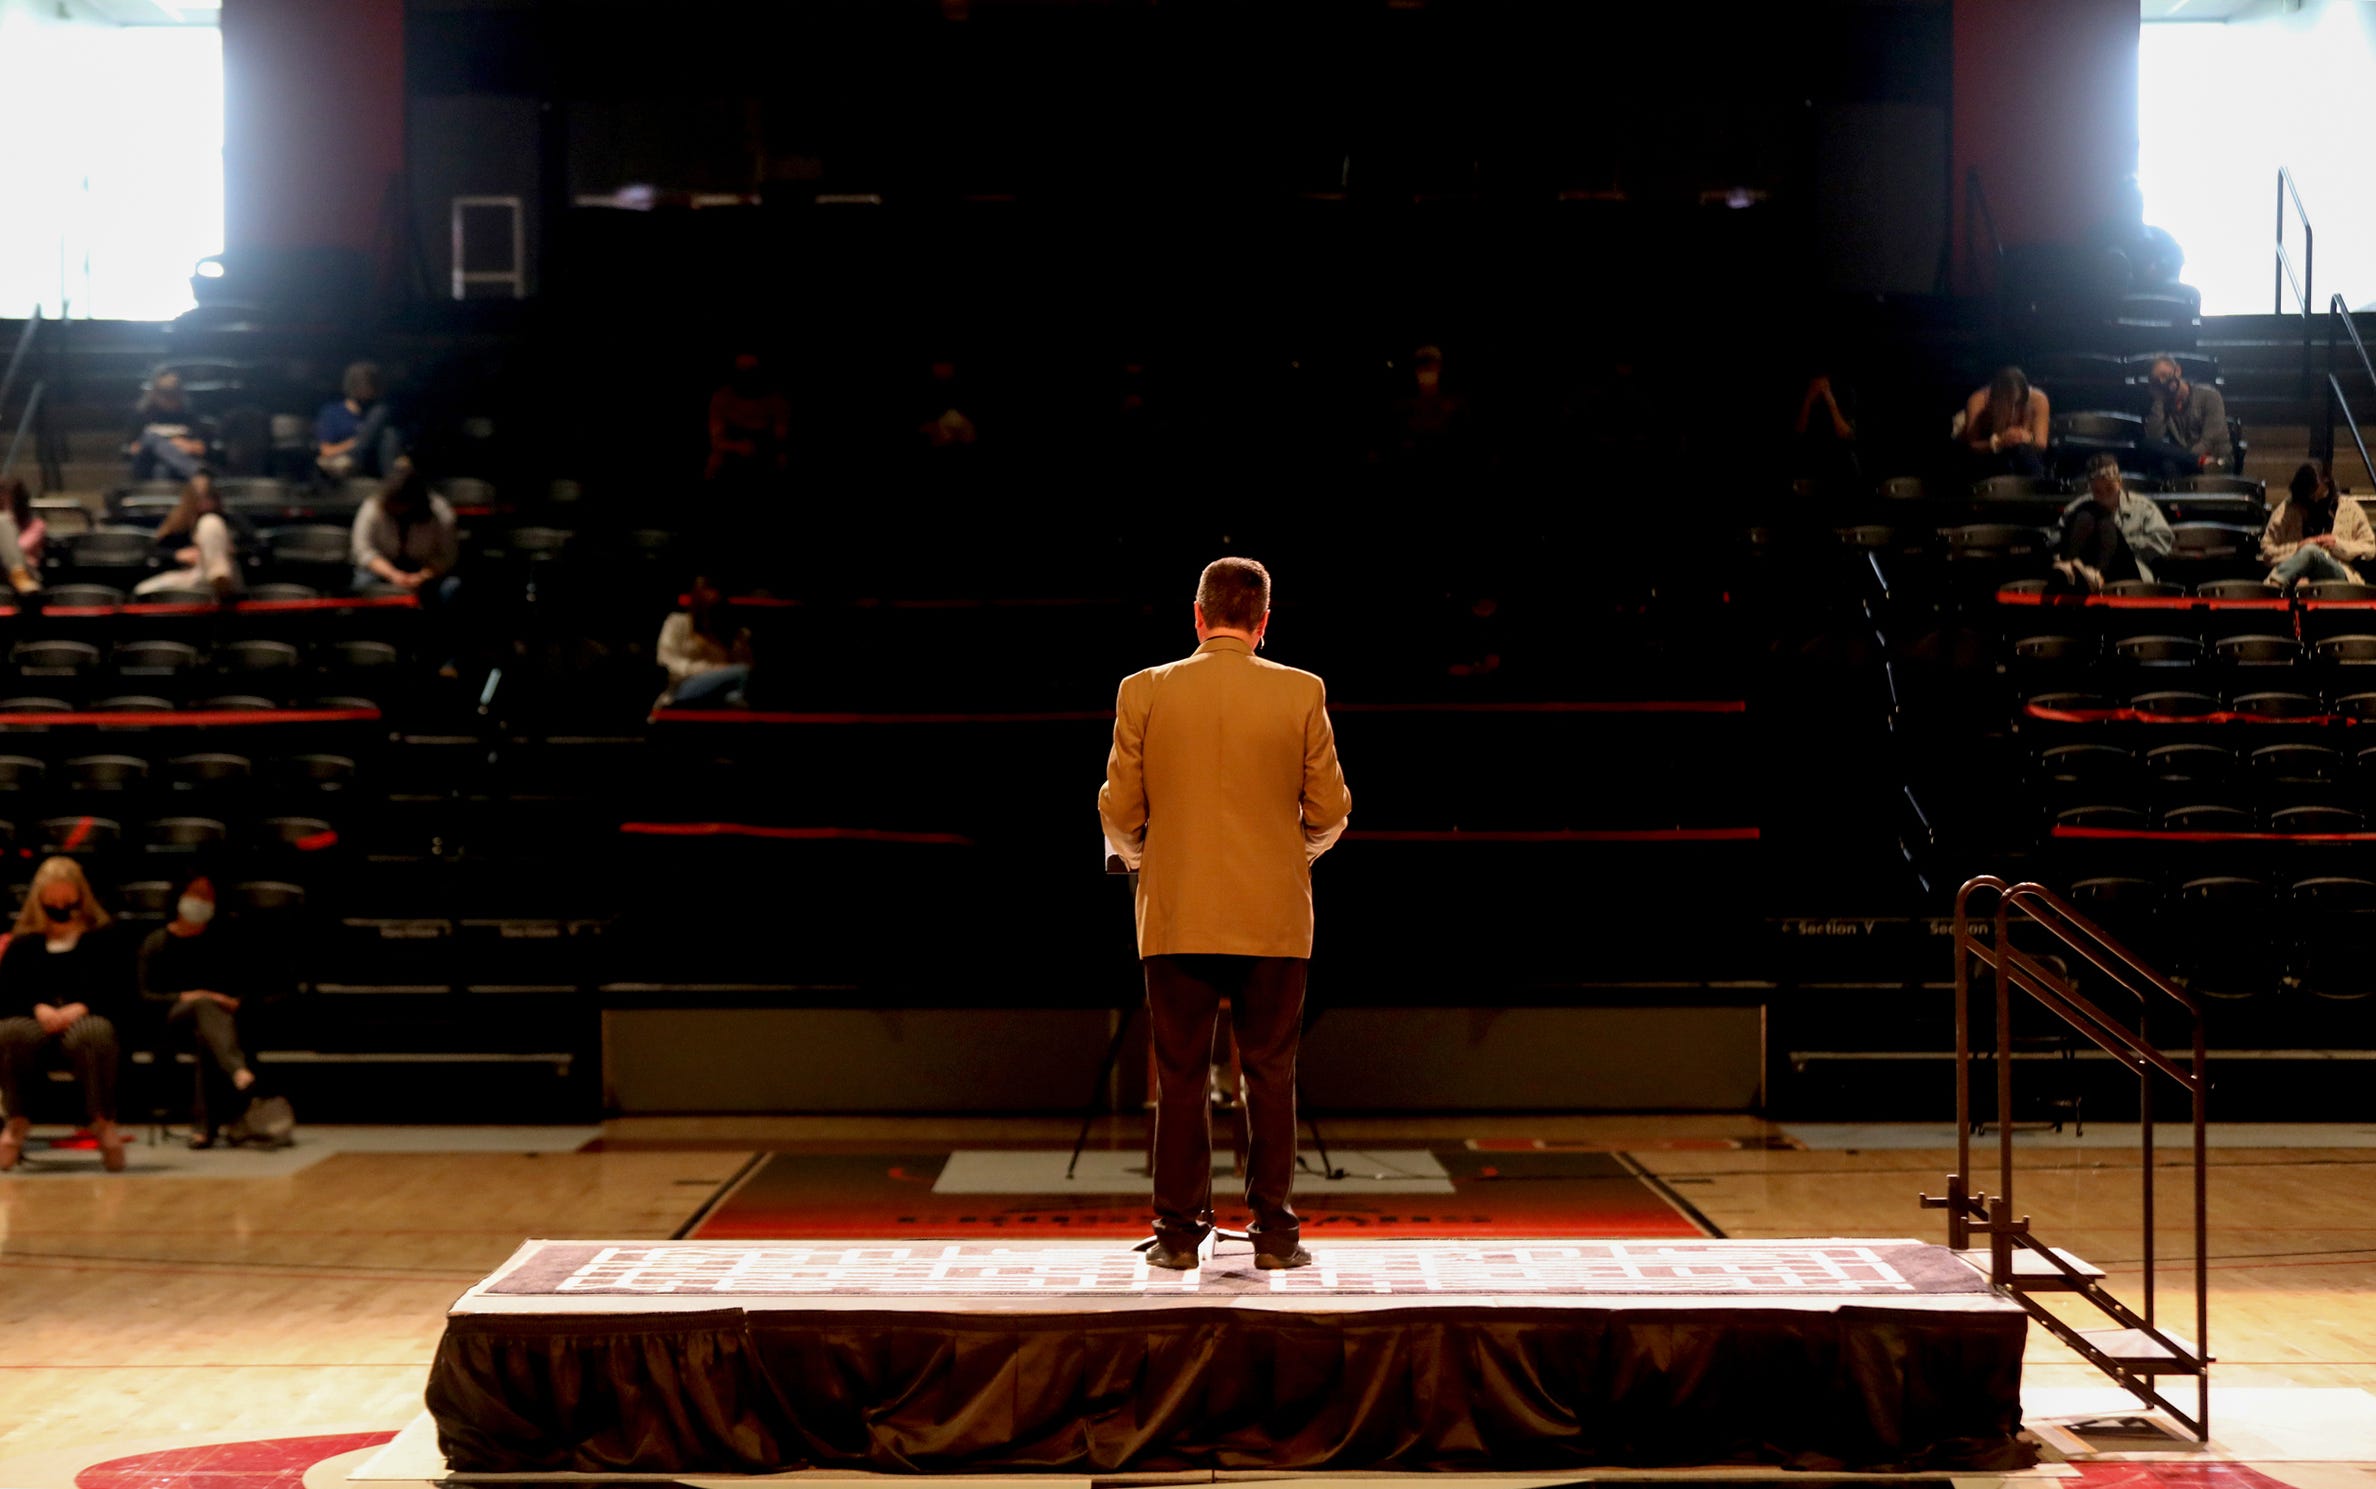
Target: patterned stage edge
(973,1357)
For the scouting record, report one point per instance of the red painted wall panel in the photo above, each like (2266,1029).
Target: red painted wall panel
(313,126)
(2046,108)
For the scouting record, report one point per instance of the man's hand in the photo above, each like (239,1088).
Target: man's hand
(225,1001)
(413,580)
(190,446)
(52,1020)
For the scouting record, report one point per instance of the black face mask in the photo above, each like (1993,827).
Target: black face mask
(59,914)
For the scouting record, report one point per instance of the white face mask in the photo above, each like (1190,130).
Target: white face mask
(194,910)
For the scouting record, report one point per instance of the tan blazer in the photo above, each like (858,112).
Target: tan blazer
(1221,789)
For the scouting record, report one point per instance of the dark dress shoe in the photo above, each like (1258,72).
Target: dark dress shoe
(1280,1261)
(1183,1259)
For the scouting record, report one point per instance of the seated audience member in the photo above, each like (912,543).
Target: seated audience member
(352,433)
(2186,430)
(1429,425)
(62,984)
(1823,436)
(22,536)
(2110,533)
(2004,427)
(945,424)
(708,659)
(750,427)
(2315,534)
(405,536)
(210,985)
(202,540)
(165,436)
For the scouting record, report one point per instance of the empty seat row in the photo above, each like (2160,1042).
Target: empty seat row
(2186,703)
(80,835)
(2170,650)
(26,709)
(209,770)
(2230,936)
(165,657)
(2301,819)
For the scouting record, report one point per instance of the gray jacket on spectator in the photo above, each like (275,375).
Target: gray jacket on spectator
(429,541)
(2200,424)
(2142,526)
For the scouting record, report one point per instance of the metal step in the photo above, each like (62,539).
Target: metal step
(2140,1352)
(2034,1273)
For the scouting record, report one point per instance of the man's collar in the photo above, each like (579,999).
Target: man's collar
(1224,643)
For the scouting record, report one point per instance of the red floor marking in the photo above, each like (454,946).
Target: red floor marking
(2174,1476)
(271,1463)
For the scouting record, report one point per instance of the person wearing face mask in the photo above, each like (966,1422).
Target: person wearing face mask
(62,987)
(2314,534)
(2186,430)
(211,986)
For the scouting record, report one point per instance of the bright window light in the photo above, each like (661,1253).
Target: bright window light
(108,218)
(2220,108)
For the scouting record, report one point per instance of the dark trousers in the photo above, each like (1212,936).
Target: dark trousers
(1266,995)
(89,1045)
(212,1031)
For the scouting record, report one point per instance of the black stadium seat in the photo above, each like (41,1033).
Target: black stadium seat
(53,658)
(2144,589)
(106,772)
(2314,818)
(184,834)
(82,597)
(2190,764)
(85,835)
(282,592)
(2207,816)
(2336,589)
(2235,589)
(133,703)
(2276,705)
(2259,650)
(154,658)
(23,773)
(255,655)
(2333,918)
(209,771)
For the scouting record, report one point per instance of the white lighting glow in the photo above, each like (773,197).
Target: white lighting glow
(2220,108)
(111,205)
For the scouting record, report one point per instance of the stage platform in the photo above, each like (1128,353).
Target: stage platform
(688,1357)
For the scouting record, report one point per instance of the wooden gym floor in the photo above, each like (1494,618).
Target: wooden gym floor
(141,1311)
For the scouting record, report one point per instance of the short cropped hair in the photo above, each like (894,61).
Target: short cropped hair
(2103,462)
(361,382)
(1234,593)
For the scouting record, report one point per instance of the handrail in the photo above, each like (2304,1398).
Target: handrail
(2339,317)
(32,412)
(2305,283)
(2018,971)
(1976,208)
(16,359)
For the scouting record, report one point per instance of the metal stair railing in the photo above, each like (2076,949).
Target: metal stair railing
(2140,1351)
(2303,283)
(2339,329)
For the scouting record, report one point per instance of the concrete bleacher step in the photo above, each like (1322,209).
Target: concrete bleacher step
(2034,1273)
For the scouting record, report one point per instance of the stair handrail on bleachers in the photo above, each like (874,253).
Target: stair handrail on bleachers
(2287,191)
(16,359)
(2140,1351)
(16,438)
(2339,319)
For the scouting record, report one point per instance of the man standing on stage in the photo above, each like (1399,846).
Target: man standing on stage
(1221,790)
